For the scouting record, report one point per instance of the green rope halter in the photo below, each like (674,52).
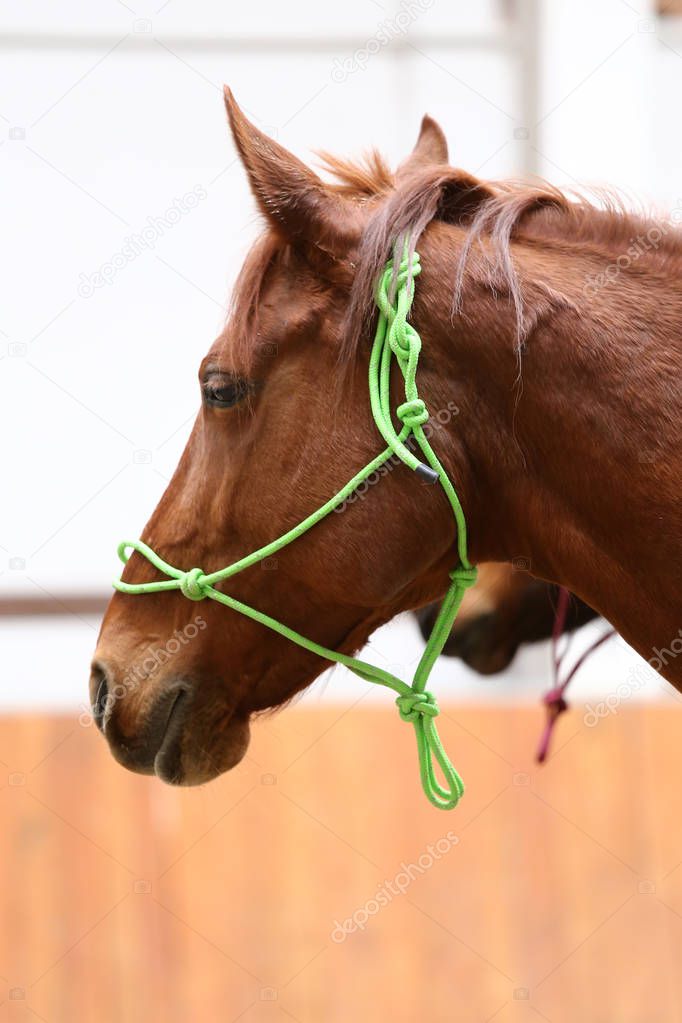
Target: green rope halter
(395,337)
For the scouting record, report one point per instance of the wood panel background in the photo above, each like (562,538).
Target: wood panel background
(559,895)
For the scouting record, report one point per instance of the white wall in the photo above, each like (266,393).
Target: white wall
(108,117)
(107,127)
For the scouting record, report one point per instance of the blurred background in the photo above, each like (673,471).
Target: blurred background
(126,217)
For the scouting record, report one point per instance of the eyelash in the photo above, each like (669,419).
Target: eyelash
(224,391)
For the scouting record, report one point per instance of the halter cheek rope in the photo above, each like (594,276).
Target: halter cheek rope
(395,338)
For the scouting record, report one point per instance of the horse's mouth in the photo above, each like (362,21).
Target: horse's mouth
(181,738)
(188,757)
(168,758)
(156,747)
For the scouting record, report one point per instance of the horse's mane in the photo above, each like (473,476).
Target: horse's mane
(491,213)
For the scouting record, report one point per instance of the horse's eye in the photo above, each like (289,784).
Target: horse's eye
(223,391)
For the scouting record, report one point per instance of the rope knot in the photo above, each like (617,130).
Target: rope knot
(409,267)
(404,340)
(415,705)
(465,576)
(555,702)
(192,584)
(413,413)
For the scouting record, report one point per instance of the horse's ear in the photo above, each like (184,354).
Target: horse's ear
(290,195)
(431,147)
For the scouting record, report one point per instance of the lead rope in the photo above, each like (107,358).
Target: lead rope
(395,339)
(555,700)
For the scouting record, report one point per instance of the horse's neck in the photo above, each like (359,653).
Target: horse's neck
(570,460)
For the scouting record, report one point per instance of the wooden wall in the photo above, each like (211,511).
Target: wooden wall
(558,896)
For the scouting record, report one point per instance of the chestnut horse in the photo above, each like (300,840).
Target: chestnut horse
(566,449)
(507,608)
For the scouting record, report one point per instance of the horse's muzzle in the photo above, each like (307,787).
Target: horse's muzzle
(156,746)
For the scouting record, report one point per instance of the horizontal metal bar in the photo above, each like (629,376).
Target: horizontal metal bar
(332,44)
(64,604)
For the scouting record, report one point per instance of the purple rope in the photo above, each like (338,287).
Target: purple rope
(554,700)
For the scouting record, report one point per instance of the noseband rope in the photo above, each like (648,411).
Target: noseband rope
(395,339)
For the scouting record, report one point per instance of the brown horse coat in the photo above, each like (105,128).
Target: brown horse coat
(566,445)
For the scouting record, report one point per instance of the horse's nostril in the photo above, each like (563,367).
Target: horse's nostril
(99,692)
(145,738)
